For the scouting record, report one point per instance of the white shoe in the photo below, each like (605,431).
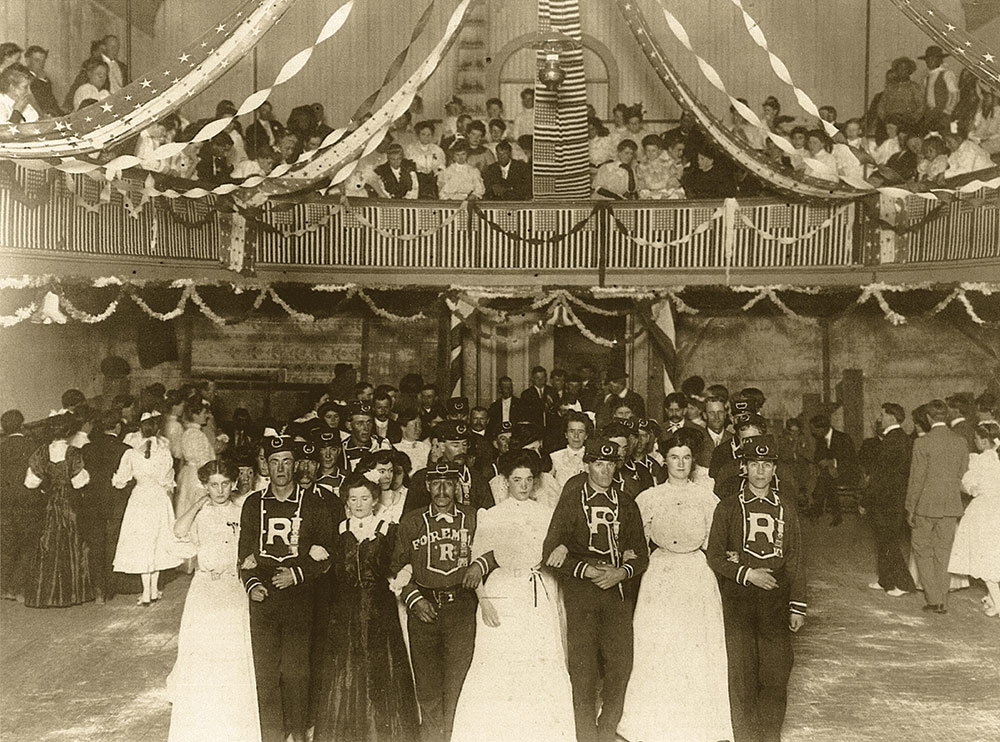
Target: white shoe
(874,585)
(895,592)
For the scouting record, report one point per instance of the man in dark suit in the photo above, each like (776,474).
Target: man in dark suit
(20,520)
(265,131)
(538,401)
(590,395)
(431,411)
(962,417)
(41,86)
(934,502)
(837,466)
(507,179)
(884,501)
(717,420)
(101,516)
(675,407)
(385,426)
(619,394)
(397,176)
(506,408)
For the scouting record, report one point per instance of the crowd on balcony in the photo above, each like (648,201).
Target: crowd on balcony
(347,548)
(916,133)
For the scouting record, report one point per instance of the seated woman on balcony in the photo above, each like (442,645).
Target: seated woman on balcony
(94,88)
(262,163)
(986,122)
(480,156)
(966,156)
(498,133)
(882,151)
(461,124)
(460,180)
(902,166)
(616,180)
(427,157)
(659,177)
(934,162)
(635,129)
(618,130)
(397,177)
(712,176)
(602,149)
(154,136)
(820,149)
(15,97)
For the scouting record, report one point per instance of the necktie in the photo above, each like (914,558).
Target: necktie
(631,177)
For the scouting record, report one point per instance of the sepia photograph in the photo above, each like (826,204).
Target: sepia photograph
(499,370)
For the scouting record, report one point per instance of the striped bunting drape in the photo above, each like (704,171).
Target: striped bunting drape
(560,151)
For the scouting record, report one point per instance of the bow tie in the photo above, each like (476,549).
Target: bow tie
(446,517)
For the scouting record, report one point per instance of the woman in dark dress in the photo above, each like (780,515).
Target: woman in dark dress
(59,573)
(367,686)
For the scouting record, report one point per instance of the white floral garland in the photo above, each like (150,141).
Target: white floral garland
(19,316)
(81,316)
(875,290)
(165,316)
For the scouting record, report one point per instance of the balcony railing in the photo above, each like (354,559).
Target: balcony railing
(55,214)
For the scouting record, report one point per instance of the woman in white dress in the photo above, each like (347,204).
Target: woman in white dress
(518,686)
(196,451)
(146,533)
(679,689)
(212,685)
(976,549)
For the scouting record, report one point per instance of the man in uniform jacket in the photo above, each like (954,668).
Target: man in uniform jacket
(597,545)
(755,547)
(507,179)
(435,540)
(473,486)
(285,541)
(360,423)
(885,499)
(934,502)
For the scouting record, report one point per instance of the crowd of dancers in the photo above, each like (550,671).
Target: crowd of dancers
(555,566)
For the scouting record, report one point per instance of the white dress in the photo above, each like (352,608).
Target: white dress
(212,685)
(679,688)
(518,686)
(976,549)
(144,544)
(546,491)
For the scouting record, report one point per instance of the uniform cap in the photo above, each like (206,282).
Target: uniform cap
(357,407)
(758,448)
(451,430)
(279,444)
(308,450)
(601,449)
(324,436)
(443,470)
(458,405)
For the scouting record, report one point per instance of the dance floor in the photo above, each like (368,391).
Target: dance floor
(867,667)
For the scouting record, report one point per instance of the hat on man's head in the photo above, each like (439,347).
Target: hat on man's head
(601,449)
(934,52)
(743,404)
(631,426)
(279,444)
(323,436)
(615,429)
(443,470)
(451,430)
(494,430)
(359,407)
(747,419)
(308,450)
(458,405)
(648,424)
(758,448)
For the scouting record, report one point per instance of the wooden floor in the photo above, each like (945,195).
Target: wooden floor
(867,667)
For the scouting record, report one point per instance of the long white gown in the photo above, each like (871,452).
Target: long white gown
(518,685)
(212,686)
(679,689)
(147,527)
(976,549)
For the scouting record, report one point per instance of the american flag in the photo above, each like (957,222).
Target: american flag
(149,97)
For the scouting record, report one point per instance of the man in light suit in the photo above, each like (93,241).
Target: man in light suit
(934,502)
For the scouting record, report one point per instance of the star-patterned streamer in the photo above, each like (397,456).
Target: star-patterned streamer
(145,100)
(981,60)
(742,153)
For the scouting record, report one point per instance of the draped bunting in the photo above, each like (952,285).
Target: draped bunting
(969,51)
(923,301)
(145,100)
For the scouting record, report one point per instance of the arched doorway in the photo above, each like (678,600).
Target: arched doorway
(514,68)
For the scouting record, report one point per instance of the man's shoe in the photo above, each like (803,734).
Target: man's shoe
(875,586)
(935,608)
(895,592)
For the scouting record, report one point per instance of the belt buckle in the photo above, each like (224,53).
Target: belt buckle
(446,597)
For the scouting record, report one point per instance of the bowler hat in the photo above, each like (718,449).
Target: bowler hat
(934,52)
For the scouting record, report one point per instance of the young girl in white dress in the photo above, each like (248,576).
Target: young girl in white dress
(197,450)
(679,689)
(145,540)
(976,549)
(518,685)
(212,685)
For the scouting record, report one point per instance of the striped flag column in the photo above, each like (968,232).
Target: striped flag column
(460,311)
(560,152)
